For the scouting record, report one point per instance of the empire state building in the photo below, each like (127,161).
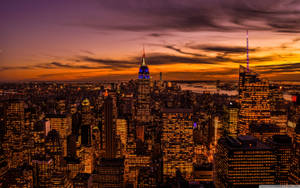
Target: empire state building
(143,93)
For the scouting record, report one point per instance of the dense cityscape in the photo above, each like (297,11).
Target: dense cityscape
(149,133)
(146,94)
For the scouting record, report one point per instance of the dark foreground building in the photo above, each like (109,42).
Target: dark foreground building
(244,162)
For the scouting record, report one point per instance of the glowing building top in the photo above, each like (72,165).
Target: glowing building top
(144,71)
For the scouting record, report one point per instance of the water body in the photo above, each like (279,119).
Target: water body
(212,89)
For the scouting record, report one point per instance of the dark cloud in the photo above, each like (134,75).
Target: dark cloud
(200,15)
(158,34)
(279,68)
(222,49)
(181,51)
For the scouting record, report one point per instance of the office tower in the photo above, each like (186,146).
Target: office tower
(177,142)
(121,133)
(53,147)
(42,170)
(109,129)
(254,94)
(295,166)
(82,180)
(244,161)
(282,146)
(13,138)
(254,98)
(38,137)
(230,119)
(62,123)
(86,121)
(143,93)
(109,173)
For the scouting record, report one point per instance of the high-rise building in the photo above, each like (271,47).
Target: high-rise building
(62,123)
(121,132)
(143,93)
(109,128)
(177,142)
(282,146)
(244,161)
(254,94)
(230,119)
(13,138)
(53,147)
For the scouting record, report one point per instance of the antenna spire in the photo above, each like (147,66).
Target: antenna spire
(143,63)
(247,53)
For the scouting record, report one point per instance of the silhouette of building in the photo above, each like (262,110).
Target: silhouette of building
(109,128)
(282,146)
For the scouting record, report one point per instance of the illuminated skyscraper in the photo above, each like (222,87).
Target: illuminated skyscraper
(143,93)
(13,139)
(244,161)
(177,142)
(230,119)
(254,97)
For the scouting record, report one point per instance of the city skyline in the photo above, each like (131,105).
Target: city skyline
(99,40)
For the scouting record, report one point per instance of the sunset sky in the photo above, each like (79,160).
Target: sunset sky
(91,40)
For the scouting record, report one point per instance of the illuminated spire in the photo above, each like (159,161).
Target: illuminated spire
(247,53)
(143,62)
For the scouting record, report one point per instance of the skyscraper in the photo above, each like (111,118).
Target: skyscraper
(13,138)
(282,146)
(244,161)
(177,142)
(230,119)
(254,98)
(109,129)
(254,94)
(143,93)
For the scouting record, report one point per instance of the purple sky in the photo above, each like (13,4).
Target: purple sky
(103,39)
